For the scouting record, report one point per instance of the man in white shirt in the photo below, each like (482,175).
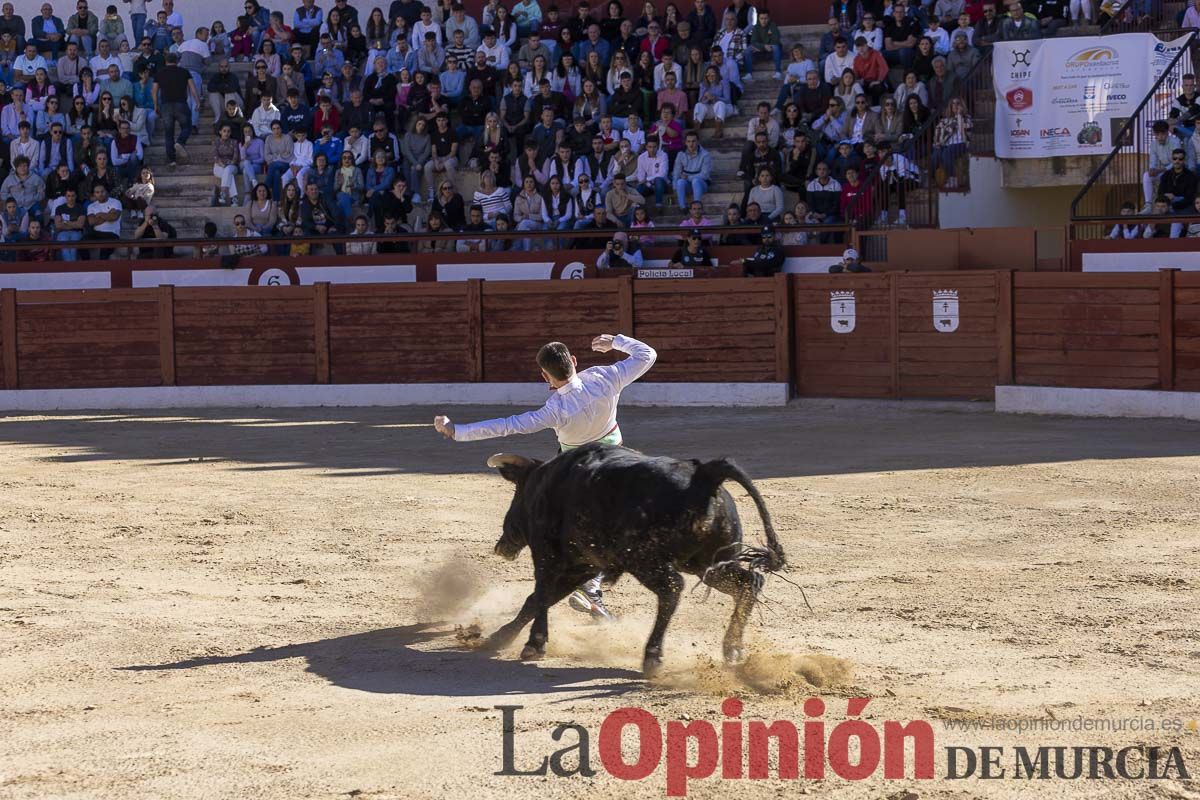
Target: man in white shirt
(266,113)
(837,62)
(26,65)
(103,59)
(104,218)
(496,53)
(302,160)
(652,171)
(583,409)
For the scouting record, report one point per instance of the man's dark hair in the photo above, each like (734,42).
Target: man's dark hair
(1160,126)
(555,359)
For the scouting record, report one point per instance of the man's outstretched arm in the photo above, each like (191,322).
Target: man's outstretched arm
(529,422)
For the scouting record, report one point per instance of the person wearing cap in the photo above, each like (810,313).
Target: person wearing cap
(849,262)
(691,253)
(767,260)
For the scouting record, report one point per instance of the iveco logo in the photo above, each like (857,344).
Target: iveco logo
(1021,57)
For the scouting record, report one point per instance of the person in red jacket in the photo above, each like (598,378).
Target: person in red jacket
(871,70)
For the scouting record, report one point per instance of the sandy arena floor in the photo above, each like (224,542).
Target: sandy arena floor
(263,605)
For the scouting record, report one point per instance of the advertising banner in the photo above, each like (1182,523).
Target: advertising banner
(1068,97)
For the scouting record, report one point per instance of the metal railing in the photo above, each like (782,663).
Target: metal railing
(1123,178)
(878,205)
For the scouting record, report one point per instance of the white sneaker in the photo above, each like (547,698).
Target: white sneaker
(777,75)
(902,219)
(181,153)
(591,603)
(883,218)
(748,78)
(416,198)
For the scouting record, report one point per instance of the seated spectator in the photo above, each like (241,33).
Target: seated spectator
(288,222)
(1126,230)
(870,70)
(449,205)
(765,39)
(693,170)
(13,225)
(1019,26)
(1189,229)
(615,255)
(849,263)
(436,224)
(25,187)
(475,224)
(104,220)
(278,150)
(302,159)
(70,222)
(712,101)
(823,195)
(242,231)
(491,198)
(767,260)
(529,210)
(767,195)
(35,234)
(598,221)
(800,165)
(1178,184)
(692,253)
(444,152)
(317,216)
(652,173)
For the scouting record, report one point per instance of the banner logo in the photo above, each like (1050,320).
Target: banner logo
(1020,98)
(945,310)
(841,311)
(1091,55)
(1021,57)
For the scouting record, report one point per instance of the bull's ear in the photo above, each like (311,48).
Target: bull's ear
(512,467)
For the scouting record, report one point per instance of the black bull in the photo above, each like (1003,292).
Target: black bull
(601,508)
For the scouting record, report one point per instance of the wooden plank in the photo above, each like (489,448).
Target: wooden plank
(8,336)
(683,287)
(783,329)
(86,296)
(475,335)
(1166,328)
(625,306)
(321,330)
(1065,297)
(894,334)
(166,334)
(1080,280)
(1004,327)
(1082,341)
(255,294)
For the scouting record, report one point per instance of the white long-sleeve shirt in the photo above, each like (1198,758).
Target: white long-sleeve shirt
(582,411)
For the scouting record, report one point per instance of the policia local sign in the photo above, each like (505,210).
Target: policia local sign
(1058,97)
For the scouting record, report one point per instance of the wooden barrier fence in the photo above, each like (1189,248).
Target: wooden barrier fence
(953,335)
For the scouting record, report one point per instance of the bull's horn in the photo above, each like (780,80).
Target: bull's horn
(503,459)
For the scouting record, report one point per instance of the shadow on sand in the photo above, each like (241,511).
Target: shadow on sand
(388,661)
(769,442)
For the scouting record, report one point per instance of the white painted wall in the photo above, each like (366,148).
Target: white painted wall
(990,205)
(1097,402)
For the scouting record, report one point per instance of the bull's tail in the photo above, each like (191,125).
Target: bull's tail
(709,476)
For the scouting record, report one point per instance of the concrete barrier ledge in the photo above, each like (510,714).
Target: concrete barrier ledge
(349,395)
(1097,402)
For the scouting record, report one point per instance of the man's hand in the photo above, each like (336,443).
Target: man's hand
(444,426)
(603,343)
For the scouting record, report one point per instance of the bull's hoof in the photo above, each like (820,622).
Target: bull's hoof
(735,655)
(531,653)
(651,666)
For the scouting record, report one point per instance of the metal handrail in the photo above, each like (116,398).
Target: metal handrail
(1131,125)
(920,144)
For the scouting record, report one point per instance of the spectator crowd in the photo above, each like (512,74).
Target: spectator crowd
(355,121)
